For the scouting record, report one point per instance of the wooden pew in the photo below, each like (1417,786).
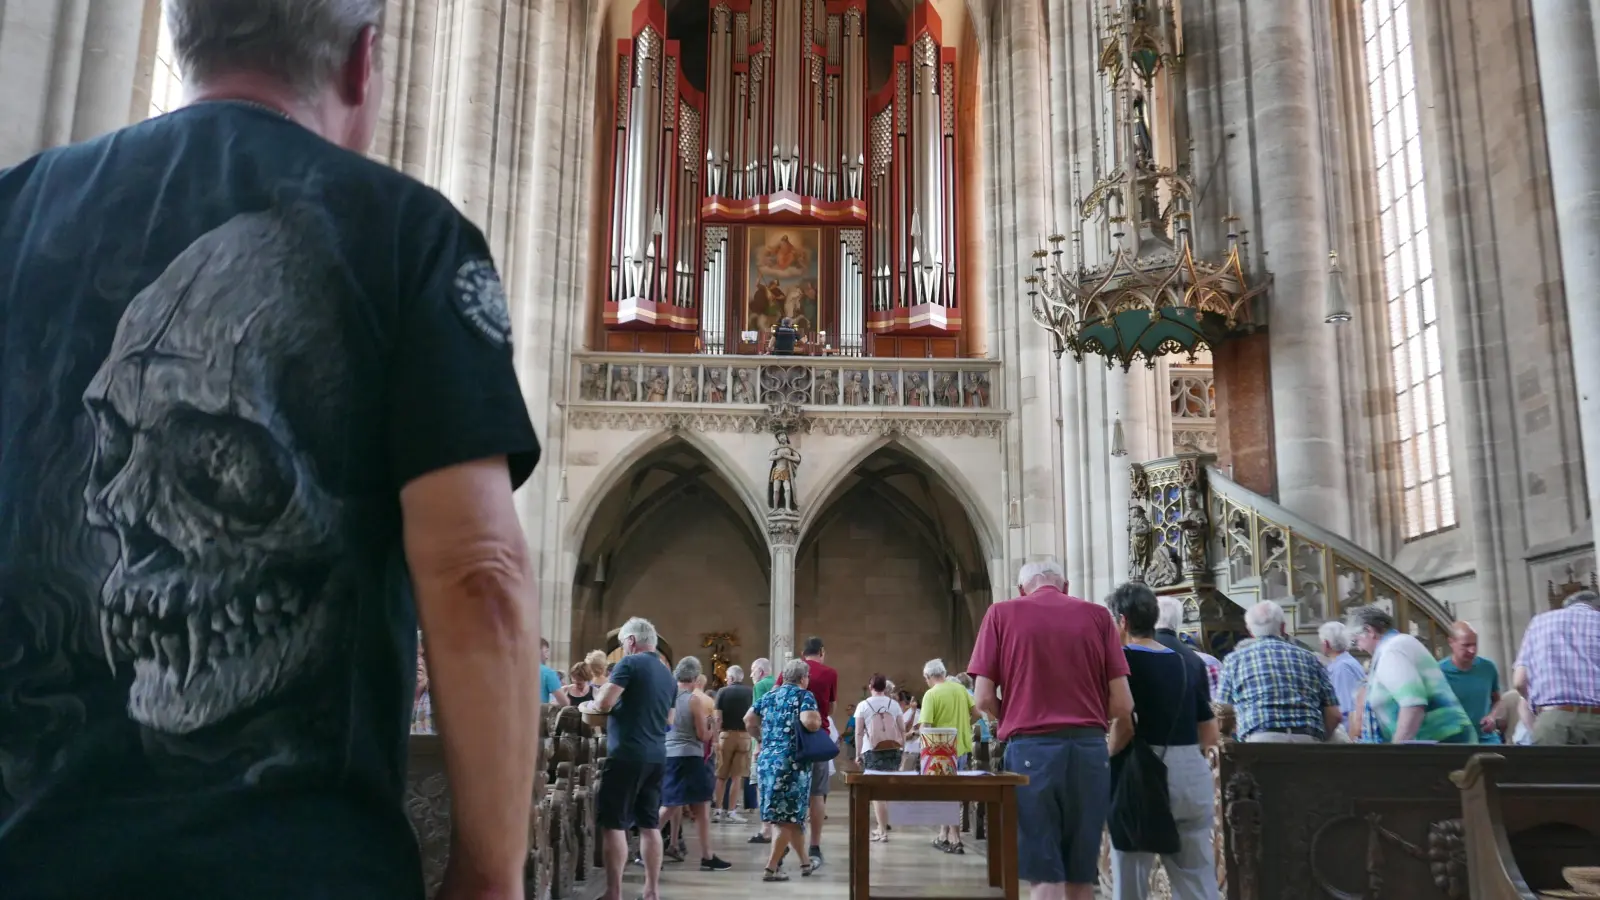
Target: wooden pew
(564,848)
(1351,820)
(1519,836)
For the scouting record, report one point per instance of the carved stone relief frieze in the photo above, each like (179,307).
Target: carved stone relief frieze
(821,382)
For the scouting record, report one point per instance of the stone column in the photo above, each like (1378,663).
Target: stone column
(784,531)
(1569,81)
(1308,426)
(71,68)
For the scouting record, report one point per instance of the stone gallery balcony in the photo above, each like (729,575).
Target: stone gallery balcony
(631,391)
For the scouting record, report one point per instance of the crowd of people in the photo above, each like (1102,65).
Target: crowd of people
(1077,691)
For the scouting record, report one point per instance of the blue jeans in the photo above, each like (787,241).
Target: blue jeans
(1061,812)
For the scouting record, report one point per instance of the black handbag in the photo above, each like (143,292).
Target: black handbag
(813,747)
(1141,819)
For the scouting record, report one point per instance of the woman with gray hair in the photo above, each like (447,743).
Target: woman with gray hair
(687,780)
(777,719)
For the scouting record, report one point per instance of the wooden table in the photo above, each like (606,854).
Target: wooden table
(998,790)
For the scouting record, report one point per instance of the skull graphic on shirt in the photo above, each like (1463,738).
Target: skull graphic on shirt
(216,414)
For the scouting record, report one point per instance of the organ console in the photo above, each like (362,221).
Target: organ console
(786,184)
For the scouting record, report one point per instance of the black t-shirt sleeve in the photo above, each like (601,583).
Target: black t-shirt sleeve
(454,395)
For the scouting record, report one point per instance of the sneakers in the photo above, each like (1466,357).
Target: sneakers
(732,818)
(716,816)
(816,860)
(715,864)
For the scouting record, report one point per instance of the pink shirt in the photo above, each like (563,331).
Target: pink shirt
(1053,657)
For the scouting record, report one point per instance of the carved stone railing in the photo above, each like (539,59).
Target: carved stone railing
(1261,551)
(933,397)
(1195,534)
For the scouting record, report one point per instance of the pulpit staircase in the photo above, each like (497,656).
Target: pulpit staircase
(1224,548)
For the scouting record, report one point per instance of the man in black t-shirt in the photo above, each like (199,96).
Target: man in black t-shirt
(733,746)
(258,418)
(638,697)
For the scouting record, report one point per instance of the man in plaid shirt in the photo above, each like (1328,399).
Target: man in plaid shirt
(1558,670)
(1280,692)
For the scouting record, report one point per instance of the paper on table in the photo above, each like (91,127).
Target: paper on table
(911,812)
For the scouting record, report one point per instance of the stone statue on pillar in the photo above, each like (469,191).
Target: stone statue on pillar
(780,479)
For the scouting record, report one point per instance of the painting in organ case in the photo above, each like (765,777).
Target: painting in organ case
(782,279)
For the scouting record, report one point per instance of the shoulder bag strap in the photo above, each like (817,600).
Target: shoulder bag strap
(1182,697)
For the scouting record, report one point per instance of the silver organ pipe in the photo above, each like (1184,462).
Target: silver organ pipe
(784,96)
(719,78)
(641,190)
(927,255)
(852,286)
(714,300)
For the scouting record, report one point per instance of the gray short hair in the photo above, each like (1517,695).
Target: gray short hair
(1046,570)
(1335,635)
(1370,616)
(933,668)
(735,674)
(640,630)
(761,668)
(795,671)
(302,42)
(1265,619)
(687,670)
(1170,613)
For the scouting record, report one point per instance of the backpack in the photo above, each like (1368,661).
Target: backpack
(885,731)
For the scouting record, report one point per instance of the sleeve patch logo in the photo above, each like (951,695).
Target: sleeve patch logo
(481,301)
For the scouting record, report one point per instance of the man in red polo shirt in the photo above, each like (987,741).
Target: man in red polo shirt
(824,685)
(1058,661)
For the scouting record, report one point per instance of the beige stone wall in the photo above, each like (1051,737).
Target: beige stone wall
(689,573)
(876,596)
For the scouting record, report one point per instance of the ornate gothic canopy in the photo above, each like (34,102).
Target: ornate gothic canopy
(1156,294)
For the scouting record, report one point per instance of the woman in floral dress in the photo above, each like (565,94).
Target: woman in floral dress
(785,784)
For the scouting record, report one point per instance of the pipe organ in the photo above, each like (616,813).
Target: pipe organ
(789,188)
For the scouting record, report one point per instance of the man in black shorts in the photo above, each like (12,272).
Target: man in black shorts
(639,697)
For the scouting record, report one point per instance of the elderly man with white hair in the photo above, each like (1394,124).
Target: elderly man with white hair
(1344,670)
(1060,664)
(1170,634)
(733,746)
(639,700)
(1280,692)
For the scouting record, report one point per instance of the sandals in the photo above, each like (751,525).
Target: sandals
(960,849)
(807,868)
(774,875)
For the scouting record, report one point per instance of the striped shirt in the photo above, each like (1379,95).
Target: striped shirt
(1561,651)
(1276,685)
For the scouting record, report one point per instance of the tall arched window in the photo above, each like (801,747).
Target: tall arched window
(1429,499)
(166,88)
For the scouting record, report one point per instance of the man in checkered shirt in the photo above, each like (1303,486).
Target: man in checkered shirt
(1558,670)
(1280,692)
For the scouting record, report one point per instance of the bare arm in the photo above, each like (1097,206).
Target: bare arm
(1121,734)
(988,697)
(752,724)
(1121,704)
(1519,679)
(1332,718)
(703,719)
(1408,723)
(605,699)
(1357,714)
(480,619)
(811,719)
